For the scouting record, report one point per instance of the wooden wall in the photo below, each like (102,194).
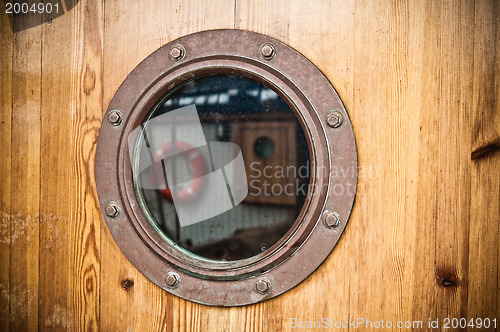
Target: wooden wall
(421,83)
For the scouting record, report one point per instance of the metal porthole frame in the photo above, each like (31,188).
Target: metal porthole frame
(333,180)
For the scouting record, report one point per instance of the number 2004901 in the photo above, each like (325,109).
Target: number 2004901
(481,323)
(35,8)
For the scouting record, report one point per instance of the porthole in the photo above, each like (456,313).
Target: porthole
(183,167)
(226,169)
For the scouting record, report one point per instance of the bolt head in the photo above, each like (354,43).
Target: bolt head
(263,286)
(177,52)
(112,210)
(115,117)
(331,219)
(334,119)
(172,280)
(267,51)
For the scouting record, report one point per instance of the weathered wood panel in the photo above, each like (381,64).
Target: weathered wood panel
(483,297)
(70,119)
(6,48)
(25,177)
(421,82)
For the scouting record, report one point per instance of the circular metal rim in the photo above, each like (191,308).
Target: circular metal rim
(224,47)
(226,270)
(240,265)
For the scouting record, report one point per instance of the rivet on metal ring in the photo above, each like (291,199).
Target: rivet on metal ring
(115,117)
(263,286)
(334,119)
(177,52)
(331,219)
(112,209)
(267,51)
(172,280)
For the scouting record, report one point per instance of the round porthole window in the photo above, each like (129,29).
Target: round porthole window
(226,167)
(216,167)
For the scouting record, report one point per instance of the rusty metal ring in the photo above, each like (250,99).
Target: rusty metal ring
(333,176)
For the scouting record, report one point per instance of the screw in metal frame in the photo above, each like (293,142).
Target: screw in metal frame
(172,280)
(112,210)
(331,219)
(115,118)
(177,52)
(334,119)
(263,286)
(267,51)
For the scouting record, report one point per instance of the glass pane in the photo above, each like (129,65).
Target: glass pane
(221,167)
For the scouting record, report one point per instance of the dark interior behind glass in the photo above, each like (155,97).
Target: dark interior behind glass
(276,158)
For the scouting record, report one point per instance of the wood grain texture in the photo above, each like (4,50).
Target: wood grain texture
(25,177)
(55,182)
(421,83)
(484,282)
(86,111)
(70,121)
(6,47)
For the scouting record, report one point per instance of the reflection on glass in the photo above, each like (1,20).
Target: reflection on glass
(221,167)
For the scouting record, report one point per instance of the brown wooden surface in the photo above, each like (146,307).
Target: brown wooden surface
(421,82)
(6,53)
(25,178)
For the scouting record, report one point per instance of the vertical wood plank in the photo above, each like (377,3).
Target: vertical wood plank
(485,176)
(399,173)
(5,166)
(442,226)
(71,114)
(86,98)
(495,214)
(374,233)
(449,141)
(25,176)
(422,86)
(56,171)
